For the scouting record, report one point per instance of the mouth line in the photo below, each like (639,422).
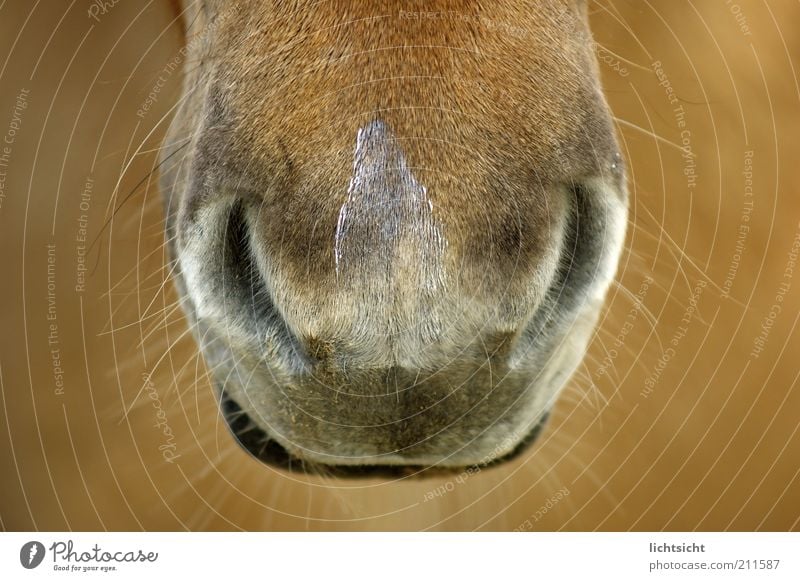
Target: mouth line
(255,441)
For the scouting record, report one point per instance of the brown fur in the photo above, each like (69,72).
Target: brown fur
(504,127)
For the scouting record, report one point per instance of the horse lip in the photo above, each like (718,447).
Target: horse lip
(255,441)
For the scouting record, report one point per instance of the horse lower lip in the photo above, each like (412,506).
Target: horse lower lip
(255,442)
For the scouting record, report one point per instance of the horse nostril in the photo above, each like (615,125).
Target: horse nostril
(219,266)
(239,268)
(226,280)
(221,269)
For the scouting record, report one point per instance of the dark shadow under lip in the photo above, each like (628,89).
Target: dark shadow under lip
(255,442)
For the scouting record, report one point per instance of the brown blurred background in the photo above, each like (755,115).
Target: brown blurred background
(683,416)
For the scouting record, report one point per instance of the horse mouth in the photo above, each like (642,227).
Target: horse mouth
(258,444)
